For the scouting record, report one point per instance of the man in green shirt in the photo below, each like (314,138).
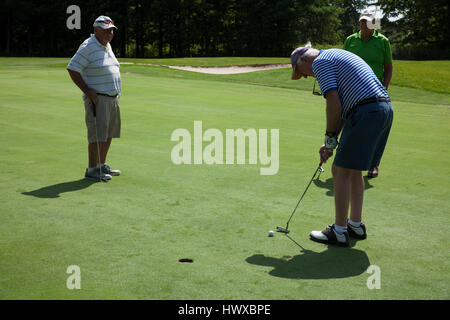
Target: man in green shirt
(375,49)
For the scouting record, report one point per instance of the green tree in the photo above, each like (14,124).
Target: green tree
(425,22)
(349,15)
(319,22)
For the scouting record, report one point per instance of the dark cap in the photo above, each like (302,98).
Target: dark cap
(295,56)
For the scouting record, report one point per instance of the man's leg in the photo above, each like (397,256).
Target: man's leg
(381,144)
(348,189)
(337,234)
(104,147)
(92,155)
(342,188)
(92,152)
(356,195)
(93,158)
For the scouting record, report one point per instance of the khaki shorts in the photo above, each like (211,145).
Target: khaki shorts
(108,118)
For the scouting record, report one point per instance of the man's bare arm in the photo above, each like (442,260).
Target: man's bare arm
(334,123)
(334,108)
(78,80)
(387,74)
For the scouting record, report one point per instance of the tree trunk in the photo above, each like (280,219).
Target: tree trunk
(30,42)
(160,43)
(8,33)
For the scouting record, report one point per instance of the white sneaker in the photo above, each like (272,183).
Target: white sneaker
(107,170)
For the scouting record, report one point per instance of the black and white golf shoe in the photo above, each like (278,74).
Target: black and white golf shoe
(329,236)
(357,232)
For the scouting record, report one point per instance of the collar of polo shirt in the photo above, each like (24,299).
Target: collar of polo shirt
(99,43)
(374,34)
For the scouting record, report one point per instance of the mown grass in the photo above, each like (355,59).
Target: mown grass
(127,235)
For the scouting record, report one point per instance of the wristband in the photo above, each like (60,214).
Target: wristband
(331,141)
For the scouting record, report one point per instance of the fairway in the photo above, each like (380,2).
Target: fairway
(128,235)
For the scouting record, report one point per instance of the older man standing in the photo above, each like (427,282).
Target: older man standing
(95,70)
(358,105)
(375,49)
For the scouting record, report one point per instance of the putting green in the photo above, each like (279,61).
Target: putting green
(128,235)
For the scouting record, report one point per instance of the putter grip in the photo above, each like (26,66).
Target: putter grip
(94,110)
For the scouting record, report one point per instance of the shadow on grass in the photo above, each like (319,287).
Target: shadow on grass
(328,184)
(55,190)
(333,263)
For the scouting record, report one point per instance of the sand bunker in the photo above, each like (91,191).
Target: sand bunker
(221,70)
(232,69)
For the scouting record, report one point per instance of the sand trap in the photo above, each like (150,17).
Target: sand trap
(221,70)
(232,69)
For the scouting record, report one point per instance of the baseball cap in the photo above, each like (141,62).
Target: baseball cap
(104,22)
(296,54)
(366,14)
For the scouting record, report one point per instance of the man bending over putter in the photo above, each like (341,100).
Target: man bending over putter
(95,70)
(358,105)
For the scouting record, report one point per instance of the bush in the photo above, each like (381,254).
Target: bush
(419,52)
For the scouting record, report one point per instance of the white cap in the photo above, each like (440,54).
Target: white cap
(367,14)
(104,22)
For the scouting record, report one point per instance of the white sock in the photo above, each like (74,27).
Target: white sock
(353,223)
(339,229)
(339,232)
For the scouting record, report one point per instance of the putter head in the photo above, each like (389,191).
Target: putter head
(282,230)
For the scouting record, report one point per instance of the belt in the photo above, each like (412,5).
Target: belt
(371,100)
(107,95)
(365,101)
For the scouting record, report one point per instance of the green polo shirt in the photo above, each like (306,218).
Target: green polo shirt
(376,51)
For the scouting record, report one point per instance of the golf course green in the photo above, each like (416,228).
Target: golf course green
(128,235)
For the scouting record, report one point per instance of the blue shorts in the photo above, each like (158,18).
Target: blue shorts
(364,136)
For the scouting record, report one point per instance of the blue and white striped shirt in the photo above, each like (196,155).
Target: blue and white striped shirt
(98,66)
(354,80)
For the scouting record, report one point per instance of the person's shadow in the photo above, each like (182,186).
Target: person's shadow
(328,184)
(333,263)
(55,190)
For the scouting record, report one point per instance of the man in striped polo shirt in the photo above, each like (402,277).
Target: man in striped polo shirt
(358,105)
(95,70)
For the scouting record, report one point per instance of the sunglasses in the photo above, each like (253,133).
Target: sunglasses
(316,92)
(107,22)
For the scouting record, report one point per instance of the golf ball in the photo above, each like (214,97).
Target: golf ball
(270,233)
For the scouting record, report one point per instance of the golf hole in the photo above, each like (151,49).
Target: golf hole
(186,260)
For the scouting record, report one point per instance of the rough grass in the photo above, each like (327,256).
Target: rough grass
(424,75)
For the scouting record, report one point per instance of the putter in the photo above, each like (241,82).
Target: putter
(100,177)
(286,230)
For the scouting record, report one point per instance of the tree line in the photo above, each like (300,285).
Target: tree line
(189,28)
